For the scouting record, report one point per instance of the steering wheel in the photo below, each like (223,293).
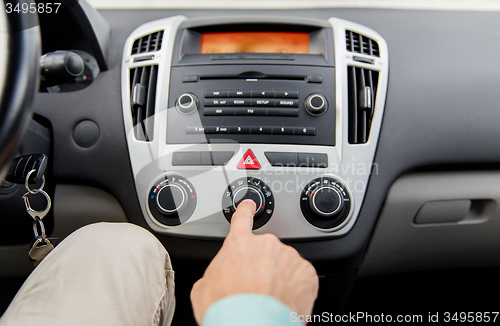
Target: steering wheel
(20,47)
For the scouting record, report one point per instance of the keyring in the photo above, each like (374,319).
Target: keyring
(41,214)
(33,192)
(42,228)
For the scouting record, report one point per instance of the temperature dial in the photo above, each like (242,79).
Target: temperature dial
(325,203)
(172,200)
(249,188)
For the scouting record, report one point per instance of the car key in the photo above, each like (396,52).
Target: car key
(40,249)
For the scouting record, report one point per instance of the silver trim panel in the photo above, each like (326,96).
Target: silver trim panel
(350,164)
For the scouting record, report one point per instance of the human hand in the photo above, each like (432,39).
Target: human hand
(261,264)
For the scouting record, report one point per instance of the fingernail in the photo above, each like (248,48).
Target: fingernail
(249,201)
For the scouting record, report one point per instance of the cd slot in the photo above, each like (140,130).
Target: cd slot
(239,77)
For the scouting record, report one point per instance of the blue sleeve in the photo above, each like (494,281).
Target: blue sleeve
(249,309)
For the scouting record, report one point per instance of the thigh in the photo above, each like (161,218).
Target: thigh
(102,274)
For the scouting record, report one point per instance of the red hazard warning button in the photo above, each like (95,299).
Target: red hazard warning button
(249,161)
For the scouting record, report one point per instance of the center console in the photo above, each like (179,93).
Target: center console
(284,111)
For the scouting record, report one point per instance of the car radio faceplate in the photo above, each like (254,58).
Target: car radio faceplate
(261,107)
(206,130)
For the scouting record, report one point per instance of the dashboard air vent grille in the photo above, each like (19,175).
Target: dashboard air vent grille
(362,91)
(142,100)
(361,44)
(148,43)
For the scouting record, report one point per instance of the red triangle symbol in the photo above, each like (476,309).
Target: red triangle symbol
(249,161)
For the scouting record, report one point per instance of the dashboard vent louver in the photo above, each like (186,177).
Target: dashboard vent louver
(142,100)
(361,44)
(148,43)
(362,91)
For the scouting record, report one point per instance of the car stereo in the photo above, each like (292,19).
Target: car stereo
(284,111)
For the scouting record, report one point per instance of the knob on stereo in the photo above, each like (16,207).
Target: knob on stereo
(172,200)
(187,103)
(249,188)
(325,203)
(316,104)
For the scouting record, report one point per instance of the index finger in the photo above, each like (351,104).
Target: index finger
(243,217)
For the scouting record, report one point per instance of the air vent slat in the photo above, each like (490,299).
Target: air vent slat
(362,90)
(362,116)
(143,82)
(358,43)
(150,103)
(148,43)
(352,104)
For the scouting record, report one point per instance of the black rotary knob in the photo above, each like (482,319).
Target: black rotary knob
(172,200)
(249,188)
(316,104)
(249,192)
(325,203)
(187,103)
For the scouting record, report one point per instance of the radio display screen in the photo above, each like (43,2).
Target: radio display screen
(255,42)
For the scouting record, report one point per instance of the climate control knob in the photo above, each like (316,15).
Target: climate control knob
(249,188)
(172,200)
(249,192)
(325,203)
(187,103)
(316,104)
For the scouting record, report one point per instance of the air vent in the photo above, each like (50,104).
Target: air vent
(362,92)
(361,44)
(148,43)
(142,100)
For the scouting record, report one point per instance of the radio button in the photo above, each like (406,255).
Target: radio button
(286,94)
(269,94)
(288,103)
(262,102)
(217,130)
(239,93)
(283,112)
(216,93)
(238,102)
(214,102)
(304,131)
(260,130)
(221,130)
(283,130)
(218,111)
(239,130)
(250,111)
(195,130)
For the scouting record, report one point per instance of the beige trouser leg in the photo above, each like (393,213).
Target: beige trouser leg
(103,274)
